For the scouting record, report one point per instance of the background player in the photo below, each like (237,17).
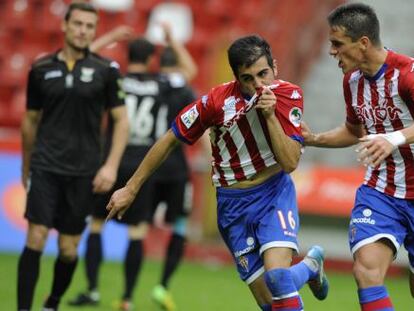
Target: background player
(153,100)
(67,94)
(379,94)
(255,144)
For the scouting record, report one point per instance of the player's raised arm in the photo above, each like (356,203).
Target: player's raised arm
(122,198)
(342,136)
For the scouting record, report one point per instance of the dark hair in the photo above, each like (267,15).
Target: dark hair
(168,58)
(139,50)
(246,51)
(82,6)
(358,20)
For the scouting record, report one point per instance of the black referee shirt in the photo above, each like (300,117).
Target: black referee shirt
(72,103)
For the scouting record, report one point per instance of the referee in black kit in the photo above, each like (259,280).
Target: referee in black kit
(67,95)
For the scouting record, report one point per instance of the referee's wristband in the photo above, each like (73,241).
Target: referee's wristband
(396,138)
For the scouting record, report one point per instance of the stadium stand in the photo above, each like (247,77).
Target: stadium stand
(30,28)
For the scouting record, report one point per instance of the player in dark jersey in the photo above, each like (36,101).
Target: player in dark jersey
(152,106)
(67,95)
(172,177)
(378,87)
(255,136)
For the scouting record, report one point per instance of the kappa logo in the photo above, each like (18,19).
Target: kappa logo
(244,263)
(87,74)
(295,95)
(204,100)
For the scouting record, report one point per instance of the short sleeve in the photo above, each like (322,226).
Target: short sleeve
(289,111)
(33,98)
(114,93)
(192,121)
(351,116)
(406,86)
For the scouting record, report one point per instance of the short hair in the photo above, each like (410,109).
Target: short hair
(139,50)
(245,51)
(168,57)
(358,20)
(82,6)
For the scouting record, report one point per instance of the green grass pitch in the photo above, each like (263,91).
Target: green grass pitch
(194,287)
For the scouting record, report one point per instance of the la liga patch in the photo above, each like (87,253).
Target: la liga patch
(189,117)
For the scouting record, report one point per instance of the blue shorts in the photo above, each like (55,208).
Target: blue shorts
(377,216)
(255,219)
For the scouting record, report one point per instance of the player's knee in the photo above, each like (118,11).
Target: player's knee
(68,254)
(36,237)
(138,232)
(96,225)
(278,281)
(367,275)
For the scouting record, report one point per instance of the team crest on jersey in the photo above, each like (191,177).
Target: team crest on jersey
(188,118)
(230,103)
(86,74)
(295,116)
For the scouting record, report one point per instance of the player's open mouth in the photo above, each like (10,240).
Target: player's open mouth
(340,64)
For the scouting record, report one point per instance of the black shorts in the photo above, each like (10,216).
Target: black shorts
(177,194)
(140,209)
(58,201)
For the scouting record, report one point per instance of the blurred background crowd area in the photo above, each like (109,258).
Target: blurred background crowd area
(297,31)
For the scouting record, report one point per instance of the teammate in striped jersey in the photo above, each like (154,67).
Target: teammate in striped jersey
(379,94)
(256,142)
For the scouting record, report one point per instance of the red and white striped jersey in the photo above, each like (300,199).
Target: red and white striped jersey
(239,136)
(383,104)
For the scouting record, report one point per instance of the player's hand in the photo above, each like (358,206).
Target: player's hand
(104,179)
(307,134)
(167,32)
(266,102)
(373,149)
(120,201)
(25,178)
(122,33)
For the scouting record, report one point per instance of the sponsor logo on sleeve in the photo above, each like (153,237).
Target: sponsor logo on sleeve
(188,118)
(53,74)
(295,116)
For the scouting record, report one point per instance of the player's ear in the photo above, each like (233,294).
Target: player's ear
(275,67)
(364,43)
(63,26)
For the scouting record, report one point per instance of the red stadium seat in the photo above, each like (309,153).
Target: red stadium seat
(18,14)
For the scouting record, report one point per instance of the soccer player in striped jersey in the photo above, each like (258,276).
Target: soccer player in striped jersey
(378,88)
(256,142)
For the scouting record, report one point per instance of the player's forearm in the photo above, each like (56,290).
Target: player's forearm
(28,131)
(185,61)
(285,149)
(408,134)
(119,142)
(337,138)
(153,159)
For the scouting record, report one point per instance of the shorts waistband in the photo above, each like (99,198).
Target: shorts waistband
(234,192)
